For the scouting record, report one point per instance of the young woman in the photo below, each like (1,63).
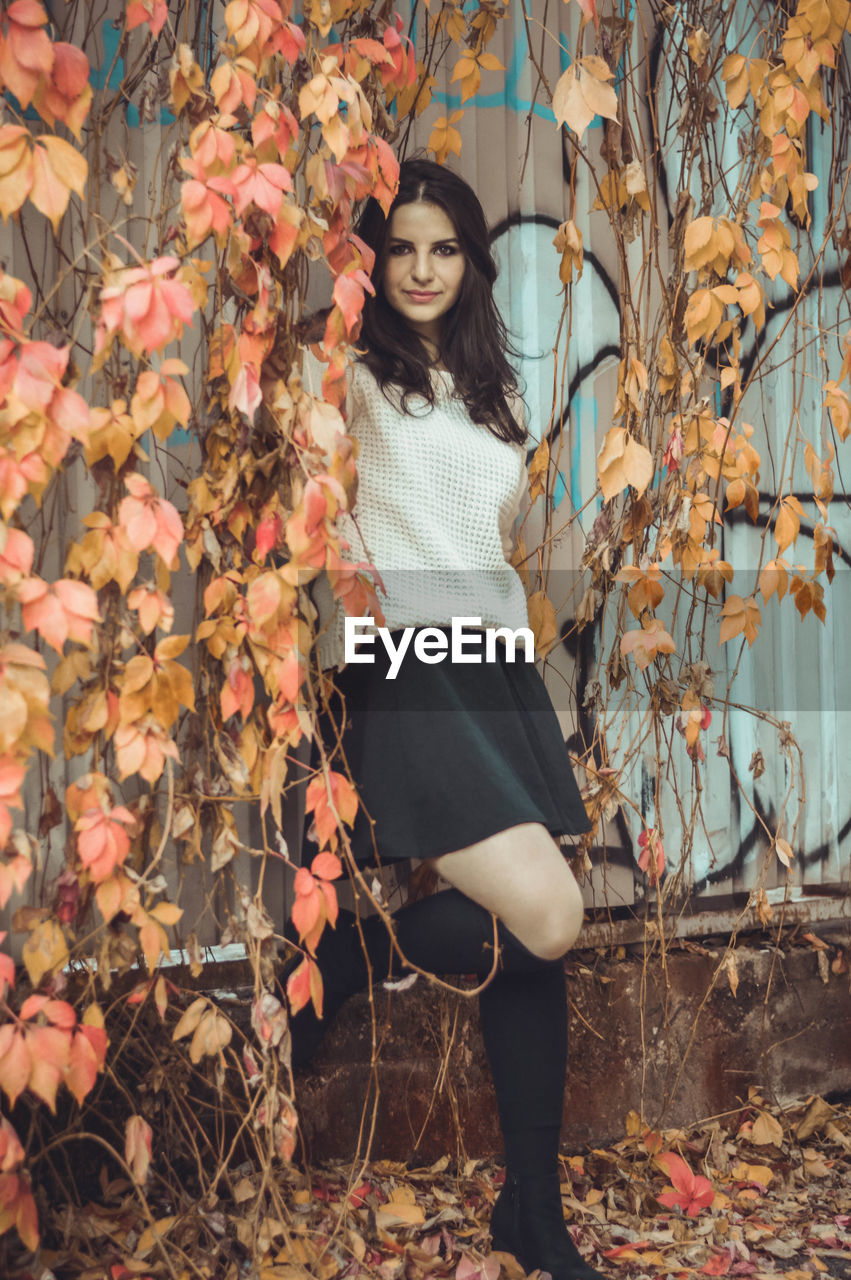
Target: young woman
(457,761)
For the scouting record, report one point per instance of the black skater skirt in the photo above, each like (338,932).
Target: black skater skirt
(446,755)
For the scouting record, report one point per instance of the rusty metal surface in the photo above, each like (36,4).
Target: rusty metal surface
(742,920)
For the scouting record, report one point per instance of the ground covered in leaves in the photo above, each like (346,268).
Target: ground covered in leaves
(761,1191)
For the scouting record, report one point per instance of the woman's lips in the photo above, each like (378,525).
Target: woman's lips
(420,297)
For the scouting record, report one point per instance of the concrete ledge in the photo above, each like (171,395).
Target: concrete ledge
(785,1030)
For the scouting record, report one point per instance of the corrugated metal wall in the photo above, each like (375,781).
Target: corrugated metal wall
(517,159)
(515,156)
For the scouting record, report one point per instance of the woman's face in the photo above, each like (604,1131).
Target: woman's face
(423,267)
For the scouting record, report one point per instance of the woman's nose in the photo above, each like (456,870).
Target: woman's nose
(422,269)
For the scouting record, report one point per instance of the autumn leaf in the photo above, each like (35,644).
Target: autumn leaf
(787,526)
(45,951)
(623,461)
(65,94)
(578,99)
(568,242)
(212,1034)
(58,169)
(809,596)
(150,12)
(766,1130)
(538,470)
(445,138)
(305,985)
(331,801)
(190,1018)
(159,400)
(147,306)
(468,69)
(690,1191)
(154,607)
(26,52)
(103,840)
(542,620)
(315,898)
(644,645)
(774,577)
(838,402)
(739,616)
(646,590)
(148,520)
(138,1146)
(652,857)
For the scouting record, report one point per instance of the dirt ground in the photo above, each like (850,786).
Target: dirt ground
(762,1191)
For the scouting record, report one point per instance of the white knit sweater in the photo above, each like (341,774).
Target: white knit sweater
(437,499)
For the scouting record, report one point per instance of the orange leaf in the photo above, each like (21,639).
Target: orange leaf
(50,1050)
(305,984)
(58,169)
(787,526)
(444,138)
(15,1064)
(542,619)
(645,644)
(623,461)
(16,168)
(738,616)
(82,1068)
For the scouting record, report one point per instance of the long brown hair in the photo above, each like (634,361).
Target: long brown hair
(474,343)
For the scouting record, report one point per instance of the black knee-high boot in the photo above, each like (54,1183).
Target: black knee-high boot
(524,1026)
(445,933)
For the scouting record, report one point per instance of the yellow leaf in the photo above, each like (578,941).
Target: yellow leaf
(734,73)
(704,314)
(569,105)
(45,950)
(758,1173)
(468,72)
(568,242)
(623,461)
(212,1034)
(738,616)
(57,170)
(787,526)
(397,1213)
(167,913)
(577,100)
(538,469)
(152,1234)
(444,138)
(190,1018)
(774,577)
(542,619)
(153,942)
(697,243)
(768,1132)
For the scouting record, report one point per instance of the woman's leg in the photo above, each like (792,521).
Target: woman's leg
(522,876)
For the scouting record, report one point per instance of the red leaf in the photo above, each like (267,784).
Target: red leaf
(305,984)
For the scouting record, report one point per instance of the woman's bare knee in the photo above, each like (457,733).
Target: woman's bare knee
(521,875)
(555,927)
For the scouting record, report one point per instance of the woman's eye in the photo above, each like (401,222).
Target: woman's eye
(447,250)
(396,250)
